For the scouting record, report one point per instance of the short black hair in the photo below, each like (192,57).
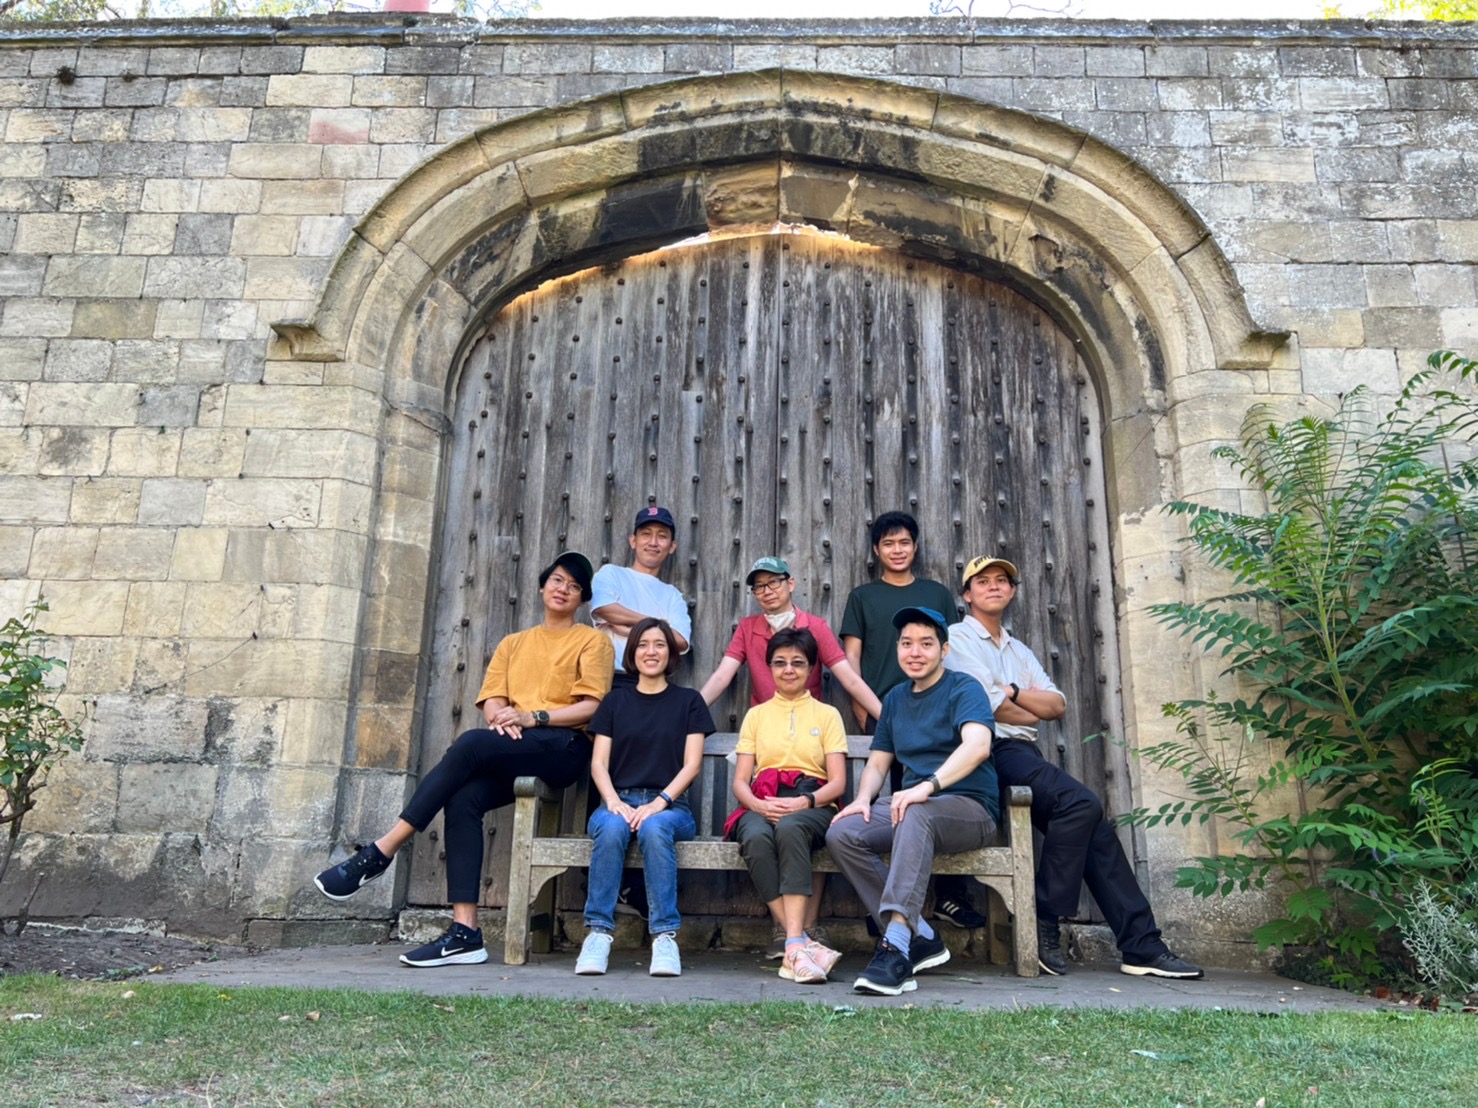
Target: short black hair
(633,640)
(797,638)
(889,522)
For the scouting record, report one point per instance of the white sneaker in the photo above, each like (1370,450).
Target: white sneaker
(666,961)
(595,954)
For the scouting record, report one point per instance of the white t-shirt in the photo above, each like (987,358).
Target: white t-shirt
(997,665)
(641,592)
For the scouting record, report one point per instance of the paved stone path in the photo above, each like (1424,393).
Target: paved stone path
(747,978)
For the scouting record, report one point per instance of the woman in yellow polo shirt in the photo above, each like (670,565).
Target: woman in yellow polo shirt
(790,772)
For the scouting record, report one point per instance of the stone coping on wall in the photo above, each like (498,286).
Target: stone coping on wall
(400,28)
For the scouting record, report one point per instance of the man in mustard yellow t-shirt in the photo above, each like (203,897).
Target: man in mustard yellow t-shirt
(541,688)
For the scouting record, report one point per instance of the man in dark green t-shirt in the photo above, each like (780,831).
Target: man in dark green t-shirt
(871,645)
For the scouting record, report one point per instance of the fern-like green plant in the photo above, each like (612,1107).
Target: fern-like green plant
(1353,621)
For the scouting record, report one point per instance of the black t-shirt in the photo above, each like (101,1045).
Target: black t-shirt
(648,732)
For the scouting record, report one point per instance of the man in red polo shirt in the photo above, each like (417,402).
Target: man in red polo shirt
(772,585)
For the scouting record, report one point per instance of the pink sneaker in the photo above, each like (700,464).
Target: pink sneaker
(799,968)
(824,957)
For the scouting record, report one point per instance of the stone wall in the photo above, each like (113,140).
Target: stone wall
(233,524)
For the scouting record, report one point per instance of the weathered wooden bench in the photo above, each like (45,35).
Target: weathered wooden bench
(549,838)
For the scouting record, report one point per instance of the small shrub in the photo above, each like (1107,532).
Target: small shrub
(34,733)
(1441,932)
(1347,770)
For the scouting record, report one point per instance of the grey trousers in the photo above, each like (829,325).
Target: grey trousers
(779,854)
(939,825)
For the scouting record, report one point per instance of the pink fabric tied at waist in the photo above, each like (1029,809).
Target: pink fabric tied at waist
(767,783)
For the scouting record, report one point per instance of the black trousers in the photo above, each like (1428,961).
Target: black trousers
(475,776)
(1078,845)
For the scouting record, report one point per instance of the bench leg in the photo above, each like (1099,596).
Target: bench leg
(999,914)
(520,879)
(1023,892)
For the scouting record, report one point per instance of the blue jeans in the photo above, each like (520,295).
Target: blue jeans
(659,833)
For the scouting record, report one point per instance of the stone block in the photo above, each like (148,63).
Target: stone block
(367,798)
(293,453)
(244,92)
(63,553)
(203,233)
(210,452)
(295,933)
(996,61)
(339,125)
(72,451)
(307,556)
(276,160)
(37,318)
(1326,286)
(15,550)
(344,59)
(25,360)
(85,608)
(154,609)
(148,362)
(220,278)
(1330,372)
(44,233)
(315,733)
(264,235)
(216,610)
(1445,285)
(1403,327)
(230,196)
(160,406)
(1459,328)
(82,405)
(302,198)
(144,452)
(114,319)
(1339,94)
(159,797)
(310,90)
(142,729)
(79,798)
(80,359)
(271,59)
(105,500)
(171,502)
(284,278)
(35,499)
(244,731)
(147,233)
(199,554)
(423,59)
(1279,164)
(177,319)
(389,92)
(170,196)
(268,668)
(285,406)
(22,275)
(133,554)
(253,502)
(1316,61)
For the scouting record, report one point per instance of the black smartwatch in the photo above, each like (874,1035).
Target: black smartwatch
(1015,691)
(541,718)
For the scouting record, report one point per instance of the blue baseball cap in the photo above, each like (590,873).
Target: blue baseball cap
(655,514)
(904,616)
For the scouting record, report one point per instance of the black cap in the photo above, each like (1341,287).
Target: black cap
(655,514)
(904,616)
(576,565)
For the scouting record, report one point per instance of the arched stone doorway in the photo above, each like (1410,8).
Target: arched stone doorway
(777,392)
(1120,264)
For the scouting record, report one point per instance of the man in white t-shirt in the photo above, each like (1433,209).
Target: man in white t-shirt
(625,596)
(1078,843)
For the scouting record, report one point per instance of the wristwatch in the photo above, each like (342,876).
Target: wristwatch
(934,780)
(1015,691)
(541,718)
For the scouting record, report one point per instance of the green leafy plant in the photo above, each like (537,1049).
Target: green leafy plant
(34,733)
(1440,929)
(1343,760)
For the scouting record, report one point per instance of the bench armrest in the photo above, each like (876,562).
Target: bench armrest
(535,787)
(1021,796)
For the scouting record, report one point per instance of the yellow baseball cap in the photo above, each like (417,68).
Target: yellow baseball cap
(979,565)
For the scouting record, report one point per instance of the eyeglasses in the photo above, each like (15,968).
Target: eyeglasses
(767,586)
(789,663)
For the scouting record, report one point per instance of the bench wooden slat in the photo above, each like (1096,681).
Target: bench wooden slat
(549,838)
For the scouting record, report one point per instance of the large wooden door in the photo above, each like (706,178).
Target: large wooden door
(777,392)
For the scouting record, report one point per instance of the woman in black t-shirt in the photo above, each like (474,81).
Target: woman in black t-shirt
(648,749)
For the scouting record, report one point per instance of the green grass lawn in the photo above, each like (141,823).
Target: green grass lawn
(137,1042)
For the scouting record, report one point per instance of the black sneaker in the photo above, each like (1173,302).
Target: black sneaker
(1167,964)
(460,946)
(1049,949)
(957,911)
(345,879)
(927,953)
(889,973)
